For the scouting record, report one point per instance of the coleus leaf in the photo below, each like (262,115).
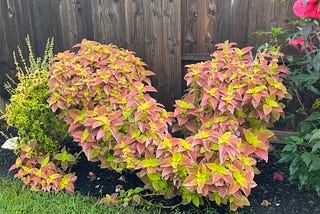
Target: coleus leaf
(45,161)
(154,162)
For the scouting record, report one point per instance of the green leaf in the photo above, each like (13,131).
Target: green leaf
(137,199)
(225,138)
(217,168)
(240,179)
(136,133)
(315,135)
(203,135)
(315,163)
(315,147)
(184,105)
(45,161)
(217,198)
(290,147)
(176,158)
(251,137)
(297,140)
(150,162)
(85,135)
(306,157)
(154,176)
(188,197)
(196,201)
(138,189)
(256,89)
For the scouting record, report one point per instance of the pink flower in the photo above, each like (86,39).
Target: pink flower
(277,176)
(298,43)
(312,8)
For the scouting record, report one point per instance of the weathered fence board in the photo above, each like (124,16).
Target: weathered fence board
(208,22)
(164,33)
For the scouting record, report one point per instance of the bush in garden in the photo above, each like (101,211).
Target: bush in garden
(40,131)
(101,91)
(231,101)
(28,110)
(303,151)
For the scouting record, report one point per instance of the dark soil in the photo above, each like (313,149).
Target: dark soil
(279,196)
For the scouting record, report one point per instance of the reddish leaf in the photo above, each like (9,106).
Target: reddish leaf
(277,176)
(262,154)
(101,133)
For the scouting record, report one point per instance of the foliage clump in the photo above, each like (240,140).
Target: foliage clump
(101,91)
(230,102)
(28,110)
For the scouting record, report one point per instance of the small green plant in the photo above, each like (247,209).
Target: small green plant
(65,159)
(28,110)
(303,153)
(125,198)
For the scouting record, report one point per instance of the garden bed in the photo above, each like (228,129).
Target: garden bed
(270,196)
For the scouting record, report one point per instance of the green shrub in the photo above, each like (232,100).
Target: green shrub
(28,110)
(40,131)
(101,91)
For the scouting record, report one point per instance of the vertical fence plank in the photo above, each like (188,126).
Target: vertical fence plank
(170,86)
(134,27)
(41,23)
(69,25)
(84,19)
(232,21)
(198,26)
(10,38)
(4,58)
(108,21)
(269,14)
(152,16)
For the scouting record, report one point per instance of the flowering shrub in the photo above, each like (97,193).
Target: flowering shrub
(40,131)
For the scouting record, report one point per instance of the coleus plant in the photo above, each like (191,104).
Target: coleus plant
(101,91)
(39,172)
(230,102)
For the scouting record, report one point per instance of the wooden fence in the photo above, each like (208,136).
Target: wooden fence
(166,34)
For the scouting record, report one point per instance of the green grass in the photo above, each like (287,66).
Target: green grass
(14,199)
